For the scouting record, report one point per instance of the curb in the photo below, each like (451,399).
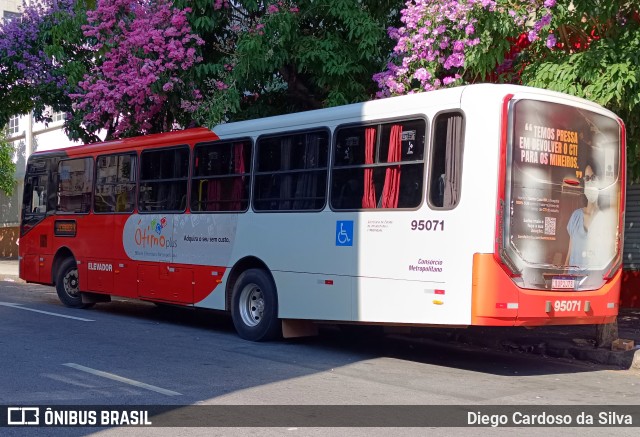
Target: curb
(624,359)
(564,349)
(11,278)
(584,350)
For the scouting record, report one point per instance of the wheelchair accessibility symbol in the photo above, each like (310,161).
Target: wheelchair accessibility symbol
(344,233)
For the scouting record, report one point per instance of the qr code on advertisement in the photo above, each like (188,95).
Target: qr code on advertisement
(550,226)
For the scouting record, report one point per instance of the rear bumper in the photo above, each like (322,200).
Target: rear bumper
(498,301)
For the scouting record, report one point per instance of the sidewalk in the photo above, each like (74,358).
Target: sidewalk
(9,270)
(573,342)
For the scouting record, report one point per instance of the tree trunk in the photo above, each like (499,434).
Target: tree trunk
(606,334)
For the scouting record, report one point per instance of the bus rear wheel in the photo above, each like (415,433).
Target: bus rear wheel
(68,285)
(254,307)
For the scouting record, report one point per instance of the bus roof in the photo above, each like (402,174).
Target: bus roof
(342,114)
(159,140)
(380,108)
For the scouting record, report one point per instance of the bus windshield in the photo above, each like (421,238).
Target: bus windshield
(564,188)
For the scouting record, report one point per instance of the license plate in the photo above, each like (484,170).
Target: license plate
(563,283)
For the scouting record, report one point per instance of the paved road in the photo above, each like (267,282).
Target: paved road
(131,352)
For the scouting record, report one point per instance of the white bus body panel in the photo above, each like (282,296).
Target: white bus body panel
(372,280)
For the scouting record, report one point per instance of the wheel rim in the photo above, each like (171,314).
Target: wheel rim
(70,283)
(251,305)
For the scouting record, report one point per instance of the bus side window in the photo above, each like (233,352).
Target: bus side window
(115,183)
(164,179)
(446,160)
(379,166)
(291,171)
(75,186)
(220,176)
(36,203)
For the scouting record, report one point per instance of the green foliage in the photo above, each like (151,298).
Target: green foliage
(599,60)
(7,166)
(306,55)
(496,32)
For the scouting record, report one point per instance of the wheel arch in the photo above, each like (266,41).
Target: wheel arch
(62,254)
(244,264)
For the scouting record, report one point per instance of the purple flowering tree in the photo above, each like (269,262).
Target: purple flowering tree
(446,43)
(34,70)
(141,81)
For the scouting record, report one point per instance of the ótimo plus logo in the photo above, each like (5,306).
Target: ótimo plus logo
(151,235)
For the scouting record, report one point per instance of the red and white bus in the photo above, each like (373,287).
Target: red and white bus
(465,206)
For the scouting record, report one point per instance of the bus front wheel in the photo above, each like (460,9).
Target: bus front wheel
(68,286)
(254,306)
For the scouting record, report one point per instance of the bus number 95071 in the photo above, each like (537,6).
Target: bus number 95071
(567,305)
(427,225)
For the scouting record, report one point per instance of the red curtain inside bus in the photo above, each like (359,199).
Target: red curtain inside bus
(369,197)
(214,193)
(391,187)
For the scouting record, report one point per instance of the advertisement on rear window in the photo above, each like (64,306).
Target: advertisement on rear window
(564,185)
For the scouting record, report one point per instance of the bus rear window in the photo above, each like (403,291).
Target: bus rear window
(565,186)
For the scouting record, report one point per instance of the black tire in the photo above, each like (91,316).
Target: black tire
(67,285)
(254,307)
